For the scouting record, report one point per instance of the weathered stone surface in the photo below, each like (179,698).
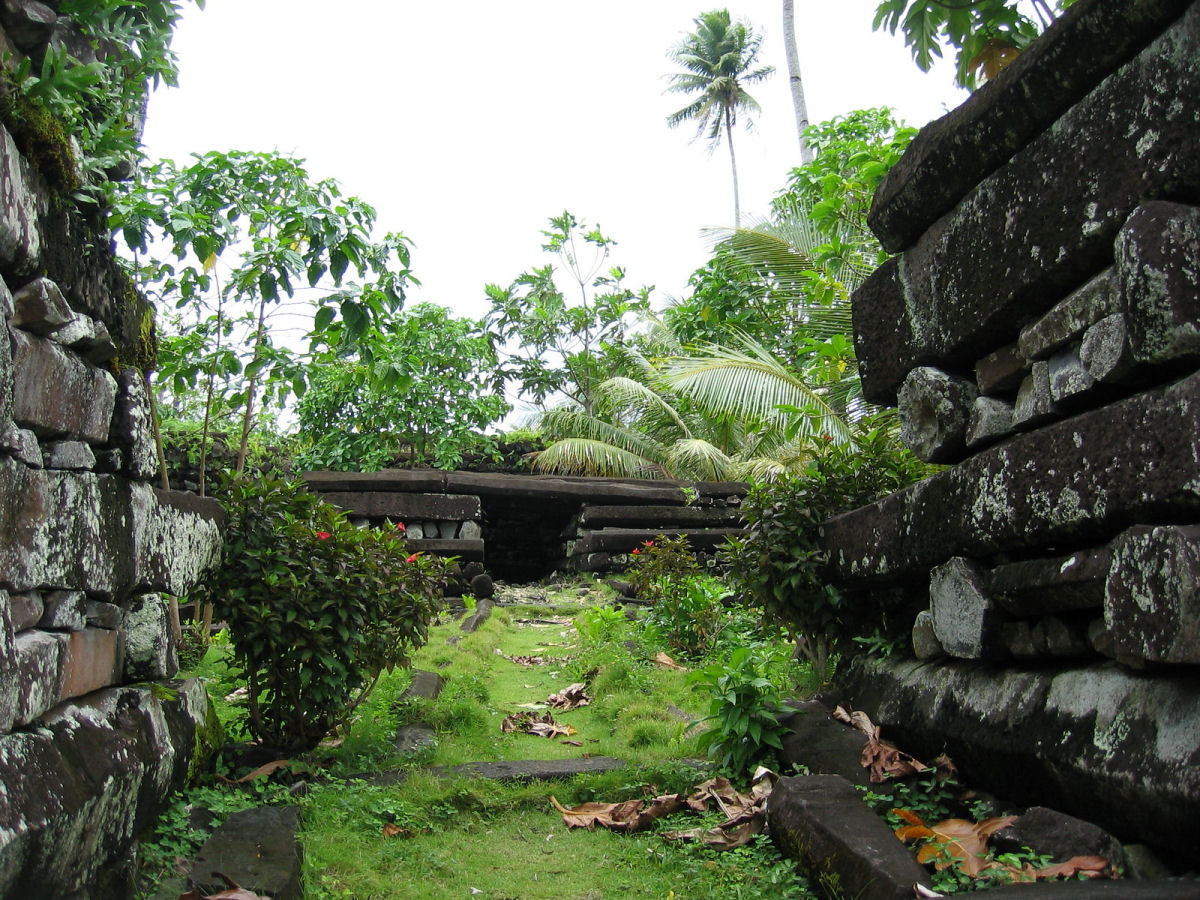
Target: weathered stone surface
(132,429)
(991,419)
(953,154)
(822,744)
(641,516)
(26,609)
(101,349)
(63,611)
(483,610)
(424,685)
(20,236)
(176,538)
(7,307)
(258,849)
(72,456)
(1035,404)
(92,660)
(414,738)
(55,393)
(103,615)
(38,667)
(1039,587)
(23,444)
(934,409)
(6,380)
(28,23)
(79,334)
(40,308)
(1058,835)
(1059,637)
(465,550)
(1017,640)
(1001,370)
(1069,378)
(1115,748)
(1157,251)
(91,776)
(149,650)
(965,620)
(1035,229)
(623,540)
(925,641)
(470,531)
(1070,318)
(1105,351)
(1080,480)
(1152,596)
(821,822)
(1124,889)
(9,685)
(404,506)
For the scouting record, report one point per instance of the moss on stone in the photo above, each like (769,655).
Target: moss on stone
(209,737)
(43,141)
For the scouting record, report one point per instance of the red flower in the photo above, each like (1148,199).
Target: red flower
(636,552)
(400,526)
(413,558)
(647,543)
(323,534)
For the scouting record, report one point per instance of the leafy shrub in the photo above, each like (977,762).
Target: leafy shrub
(316,607)
(690,616)
(661,564)
(743,709)
(779,563)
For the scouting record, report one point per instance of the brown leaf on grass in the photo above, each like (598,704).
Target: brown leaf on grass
(886,760)
(235,892)
(952,842)
(667,663)
(723,836)
(631,815)
(391,829)
(571,697)
(1087,866)
(267,770)
(537,660)
(542,725)
(573,743)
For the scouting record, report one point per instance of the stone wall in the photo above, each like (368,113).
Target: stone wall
(89,747)
(1040,333)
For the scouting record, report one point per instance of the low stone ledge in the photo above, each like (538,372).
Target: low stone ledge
(953,154)
(1076,482)
(622,540)
(1109,746)
(658,516)
(1034,231)
(821,822)
(405,506)
(257,848)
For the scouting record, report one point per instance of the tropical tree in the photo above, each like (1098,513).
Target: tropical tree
(553,347)
(988,34)
(794,80)
(719,59)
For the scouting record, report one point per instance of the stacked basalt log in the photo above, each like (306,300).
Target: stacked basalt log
(1039,331)
(89,749)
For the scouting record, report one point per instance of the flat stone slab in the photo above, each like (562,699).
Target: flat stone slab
(524,770)
(483,610)
(402,506)
(821,822)
(258,849)
(659,516)
(463,549)
(414,738)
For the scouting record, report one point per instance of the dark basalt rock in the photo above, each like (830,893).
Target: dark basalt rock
(258,849)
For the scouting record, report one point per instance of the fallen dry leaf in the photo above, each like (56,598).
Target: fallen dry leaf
(264,770)
(542,725)
(631,815)
(857,719)
(952,842)
(235,892)
(882,758)
(667,663)
(723,836)
(391,829)
(570,697)
(1088,866)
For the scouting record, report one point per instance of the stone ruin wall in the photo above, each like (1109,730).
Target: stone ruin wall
(1040,333)
(89,749)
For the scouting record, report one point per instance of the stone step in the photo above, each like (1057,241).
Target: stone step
(258,849)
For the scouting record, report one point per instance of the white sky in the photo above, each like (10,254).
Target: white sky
(468,125)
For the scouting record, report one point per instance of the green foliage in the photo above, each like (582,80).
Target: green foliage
(554,347)
(744,709)
(661,565)
(316,607)
(988,34)
(424,391)
(599,625)
(779,563)
(689,616)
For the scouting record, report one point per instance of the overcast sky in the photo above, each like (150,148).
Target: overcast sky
(468,124)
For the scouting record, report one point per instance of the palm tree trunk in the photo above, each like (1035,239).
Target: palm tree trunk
(737,206)
(797,84)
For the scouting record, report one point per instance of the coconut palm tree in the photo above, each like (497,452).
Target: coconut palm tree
(719,59)
(794,80)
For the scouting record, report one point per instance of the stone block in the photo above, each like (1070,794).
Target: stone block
(1001,371)
(101,348)
(1058,835)
(79,334)
(37,665)
(954,153)
(7,308)
(6,378)
(40,308)
(176,538)
(63,611)
(104,615)
(1032,231)
(1069,378)
(23,444)
(8,652)
(1093,740)
(1055,636)
(132,430)
(149,650)
(1035,404)
(470,531)
(1066,322)
(821,744)
(821,822)
(92,660)
(1076,482)
(1152,595)
(934,409)
(991,419)
(404,506)
(73,456)
(26,609)
(1105,350)
(1038,587)
(28,23)
(1157,251)
(925,641)
(965,620)
(1017,640)
(20,233)
(57,394)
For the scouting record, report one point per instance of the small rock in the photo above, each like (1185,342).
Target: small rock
(41,308)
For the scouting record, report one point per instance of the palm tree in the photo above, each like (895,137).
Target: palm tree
(797,84)
(719,60)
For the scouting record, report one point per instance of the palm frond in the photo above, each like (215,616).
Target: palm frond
(581,456)
(698,460)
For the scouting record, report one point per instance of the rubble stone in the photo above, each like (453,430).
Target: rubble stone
(63,611)
(149,650)
(1105,351)
(132,429)
(1069,378)
(73,456)
(1070,318)
(57,394)
(965,620)
(1035,403)
(41,308)
(934,408)
(991,419)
